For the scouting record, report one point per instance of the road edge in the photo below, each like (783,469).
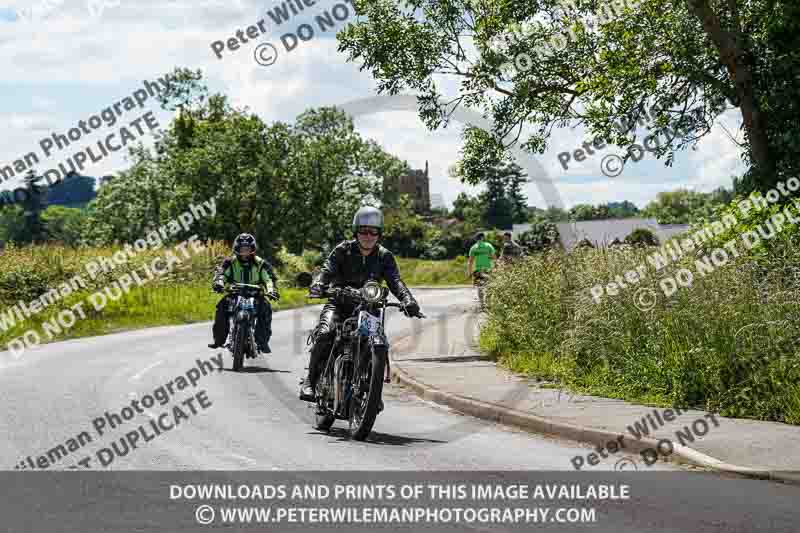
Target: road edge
(541,425)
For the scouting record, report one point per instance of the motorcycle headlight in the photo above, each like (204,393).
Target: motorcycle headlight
(372,292)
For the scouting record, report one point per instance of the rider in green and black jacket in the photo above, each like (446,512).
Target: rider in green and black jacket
(245,267)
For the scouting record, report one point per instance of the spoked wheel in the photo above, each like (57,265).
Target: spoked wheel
(239,342)
(364,405)
(324,418)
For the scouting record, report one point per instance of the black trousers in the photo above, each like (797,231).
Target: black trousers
(324,334)
(263,320)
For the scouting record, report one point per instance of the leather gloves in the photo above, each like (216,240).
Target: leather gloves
(219,286)
(411,308)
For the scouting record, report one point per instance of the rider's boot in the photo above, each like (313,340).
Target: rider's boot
(308,384)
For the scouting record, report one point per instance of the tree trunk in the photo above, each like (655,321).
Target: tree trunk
(738,62)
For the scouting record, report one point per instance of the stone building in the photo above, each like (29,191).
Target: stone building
(416,185)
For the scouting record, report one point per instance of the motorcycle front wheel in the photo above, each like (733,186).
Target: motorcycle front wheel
(239,342)
(324,417)
(364,407)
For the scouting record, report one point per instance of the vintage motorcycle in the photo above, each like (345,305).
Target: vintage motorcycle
(242,341)
(351,384)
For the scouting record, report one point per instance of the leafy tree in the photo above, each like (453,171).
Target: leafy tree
(405,232)
(289,184)
(32,208)
(623,209)
(72,191)
(582,212)
(502,204)
(468,209)
(681,61)
(603,212)
(543,234)
(684,206)
(12,224)
(552,213)
(64,224)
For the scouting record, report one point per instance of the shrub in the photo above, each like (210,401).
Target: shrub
(435,252)
(542,235)
(290,264)
(314,258)
(642,237)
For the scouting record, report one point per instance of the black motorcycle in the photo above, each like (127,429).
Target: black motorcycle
(351,385)
(242,340)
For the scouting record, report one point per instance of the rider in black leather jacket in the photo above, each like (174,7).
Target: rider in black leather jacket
(351,264)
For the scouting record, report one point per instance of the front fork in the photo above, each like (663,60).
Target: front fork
(380,344)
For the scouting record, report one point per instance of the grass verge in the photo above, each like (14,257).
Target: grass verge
(726,342)
(183,296)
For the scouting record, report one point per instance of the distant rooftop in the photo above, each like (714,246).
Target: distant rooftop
(601,233)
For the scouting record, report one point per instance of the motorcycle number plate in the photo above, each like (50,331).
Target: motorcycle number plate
(368,324)
(248,305)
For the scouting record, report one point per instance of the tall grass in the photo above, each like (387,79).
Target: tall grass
(182,296)
(728,343)
(427,272)
(179,297)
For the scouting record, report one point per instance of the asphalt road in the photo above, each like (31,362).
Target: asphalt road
(253,421)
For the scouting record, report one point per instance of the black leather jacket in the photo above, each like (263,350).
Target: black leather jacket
(346,266)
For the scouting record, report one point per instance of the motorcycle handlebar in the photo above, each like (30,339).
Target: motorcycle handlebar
(237,289)
(356,294)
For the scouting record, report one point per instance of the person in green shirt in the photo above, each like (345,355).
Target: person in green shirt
(480,263)
(480,258)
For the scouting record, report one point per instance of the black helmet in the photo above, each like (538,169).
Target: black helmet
(244,239)
(368,216)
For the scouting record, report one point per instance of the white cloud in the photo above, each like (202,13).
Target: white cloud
(68,55)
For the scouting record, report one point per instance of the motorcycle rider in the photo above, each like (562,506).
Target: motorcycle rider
(245,267)
(480,258)
(511,249)
(352,263)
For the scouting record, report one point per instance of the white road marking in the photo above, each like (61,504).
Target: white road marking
(136,377)
(243,458)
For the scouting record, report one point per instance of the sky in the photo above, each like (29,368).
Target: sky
(66,60)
